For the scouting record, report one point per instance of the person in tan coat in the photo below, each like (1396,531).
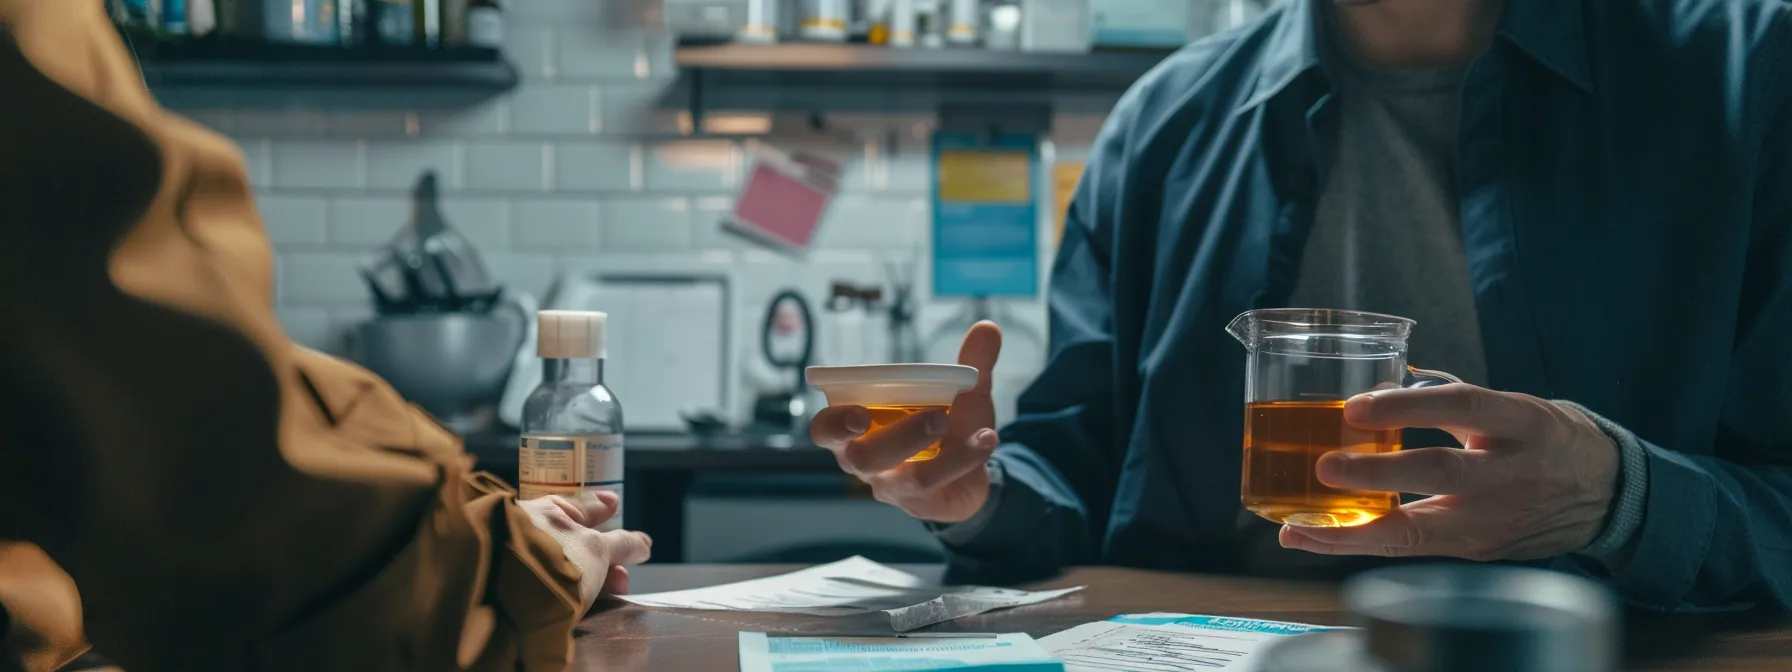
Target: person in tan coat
(180,485)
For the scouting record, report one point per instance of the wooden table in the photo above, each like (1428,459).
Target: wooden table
(618,637)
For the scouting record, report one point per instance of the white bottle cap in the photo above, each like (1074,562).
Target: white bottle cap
(570,334)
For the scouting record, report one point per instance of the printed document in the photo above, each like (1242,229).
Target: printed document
(851,586)
(1168,643)
(996,653)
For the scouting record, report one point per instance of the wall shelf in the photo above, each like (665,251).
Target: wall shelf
(821,77)
(242,74)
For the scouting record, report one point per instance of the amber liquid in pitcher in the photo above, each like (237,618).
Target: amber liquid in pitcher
(884,415)
(1282,444)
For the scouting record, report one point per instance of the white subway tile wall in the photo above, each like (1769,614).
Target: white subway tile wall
(301,164)
(366,222)
(295,220)
(396,164)
(580,169)
(555,109)
(648,224)
(596,166)
(555,225)
(484,221)
(506,166)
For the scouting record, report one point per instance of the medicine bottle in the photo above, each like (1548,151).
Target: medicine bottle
(572,424)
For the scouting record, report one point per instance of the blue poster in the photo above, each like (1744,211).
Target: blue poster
(985,215)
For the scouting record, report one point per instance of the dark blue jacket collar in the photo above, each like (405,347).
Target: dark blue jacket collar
(1551,32)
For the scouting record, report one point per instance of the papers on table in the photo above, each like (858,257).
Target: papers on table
(996,653)
(1168,643)
(851,586)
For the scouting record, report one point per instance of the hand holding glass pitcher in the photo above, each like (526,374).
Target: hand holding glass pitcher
(1327,393)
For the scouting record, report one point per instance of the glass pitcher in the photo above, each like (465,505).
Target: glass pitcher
(1303,364)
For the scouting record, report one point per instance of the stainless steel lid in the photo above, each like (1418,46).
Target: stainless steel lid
(1464,618)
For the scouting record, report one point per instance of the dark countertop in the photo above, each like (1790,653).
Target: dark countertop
(661,469)
(496,451)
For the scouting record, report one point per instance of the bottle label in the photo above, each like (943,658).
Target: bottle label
(485,27)
(575,467)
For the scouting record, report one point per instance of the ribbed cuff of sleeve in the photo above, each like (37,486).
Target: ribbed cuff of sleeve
(1613,546)
(962,532)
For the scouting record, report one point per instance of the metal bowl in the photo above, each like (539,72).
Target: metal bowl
(1463,618)
(454,365)
(1474,618)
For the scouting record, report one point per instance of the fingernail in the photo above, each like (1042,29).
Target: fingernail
(936,423)
(1332,466)
(985,439)
(858,420)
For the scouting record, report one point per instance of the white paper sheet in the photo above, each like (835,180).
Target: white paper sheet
(848,587)
(1168,643)
(1001,653)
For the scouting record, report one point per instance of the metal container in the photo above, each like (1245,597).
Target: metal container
(824,20)
(454,365)
(1464,618)
(715,19)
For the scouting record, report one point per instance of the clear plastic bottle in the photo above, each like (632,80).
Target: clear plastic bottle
(572,424)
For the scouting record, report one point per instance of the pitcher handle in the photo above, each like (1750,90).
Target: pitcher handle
(1417,378)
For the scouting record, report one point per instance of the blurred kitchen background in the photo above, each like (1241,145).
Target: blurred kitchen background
(745,186)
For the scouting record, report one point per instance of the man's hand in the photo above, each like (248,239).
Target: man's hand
(946,489)
(601,557)
(1535,479)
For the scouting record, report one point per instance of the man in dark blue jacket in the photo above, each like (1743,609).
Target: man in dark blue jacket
(1587,206)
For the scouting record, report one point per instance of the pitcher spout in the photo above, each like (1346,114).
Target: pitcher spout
(1244,328)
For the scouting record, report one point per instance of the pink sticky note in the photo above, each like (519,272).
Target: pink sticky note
(781,203)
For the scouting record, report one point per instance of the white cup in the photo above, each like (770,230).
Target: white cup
(894,391)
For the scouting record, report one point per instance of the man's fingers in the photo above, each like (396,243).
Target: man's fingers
(1421,528)
(891,444)
(617,582)
(1456,408)
(624,547)
(835,426)
(982,345)
(1425,471)
(953,463)
(575,511)
(593,512)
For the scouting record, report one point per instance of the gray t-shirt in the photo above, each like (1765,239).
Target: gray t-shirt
(1386,238)
(1387,235)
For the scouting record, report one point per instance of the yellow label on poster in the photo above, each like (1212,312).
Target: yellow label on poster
(984,176)
(1065,175)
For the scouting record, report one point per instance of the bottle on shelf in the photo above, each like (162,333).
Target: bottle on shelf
(823,21)
(571,441)
(930,23)
(202,17)
(426,22)
(762,22)
(349,21)
(174,17)
(961,26)
(394,22)
(902,23)
(485,24)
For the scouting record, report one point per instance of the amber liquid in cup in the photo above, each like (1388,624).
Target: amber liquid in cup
(1282,444)
(884,415)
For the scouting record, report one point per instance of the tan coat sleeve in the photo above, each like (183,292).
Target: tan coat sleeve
(222,499)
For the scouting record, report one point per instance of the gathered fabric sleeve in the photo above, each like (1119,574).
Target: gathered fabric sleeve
(213,496)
